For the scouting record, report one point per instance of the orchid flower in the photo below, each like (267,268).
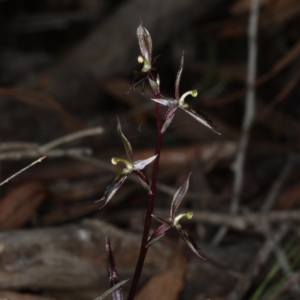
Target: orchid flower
(130,166)
(173,221)
(179,102)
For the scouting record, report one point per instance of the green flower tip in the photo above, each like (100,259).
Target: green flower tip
(194,93)
(189,215)
(114,160)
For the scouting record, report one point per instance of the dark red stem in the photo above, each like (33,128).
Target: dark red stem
(151,201)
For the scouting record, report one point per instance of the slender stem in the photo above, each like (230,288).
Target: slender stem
(151,201)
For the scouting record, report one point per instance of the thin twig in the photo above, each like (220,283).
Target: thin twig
(33,153)
(31,150)
(248,116)
(71,137)
(24,169)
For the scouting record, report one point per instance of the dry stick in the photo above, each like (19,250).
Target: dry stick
(295,278)
(37,150)
(24,169)
(263,254)
(248,117)
(33,153)
(71,137)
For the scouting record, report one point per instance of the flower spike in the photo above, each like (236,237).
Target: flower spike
(179,102)
(173,221)
(130,166)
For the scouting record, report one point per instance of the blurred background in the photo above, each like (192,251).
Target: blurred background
(64,69)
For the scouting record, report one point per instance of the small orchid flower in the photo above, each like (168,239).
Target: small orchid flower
(173,221)
(148,69)
(130,166)
(179,102)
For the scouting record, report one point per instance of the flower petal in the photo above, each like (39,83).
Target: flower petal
(126,143)
(178,77)
(179,196)
(113,187)
(145,42)
(158,233)
(141,164)
(190,242)
(203,119)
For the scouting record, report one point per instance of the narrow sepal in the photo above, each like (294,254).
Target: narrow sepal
(145,42)
(144,184)
(178,77)
(166,221)
(143,178)
(126,143)
(168,118)
(141,164)
(158,233)
(203,119)
(113,187)
(190,242)
(154,86)
(179,195)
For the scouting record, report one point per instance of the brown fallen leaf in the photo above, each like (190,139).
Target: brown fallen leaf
(20,203)
(167,285)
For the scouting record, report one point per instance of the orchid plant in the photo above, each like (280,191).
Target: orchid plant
(148,73)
